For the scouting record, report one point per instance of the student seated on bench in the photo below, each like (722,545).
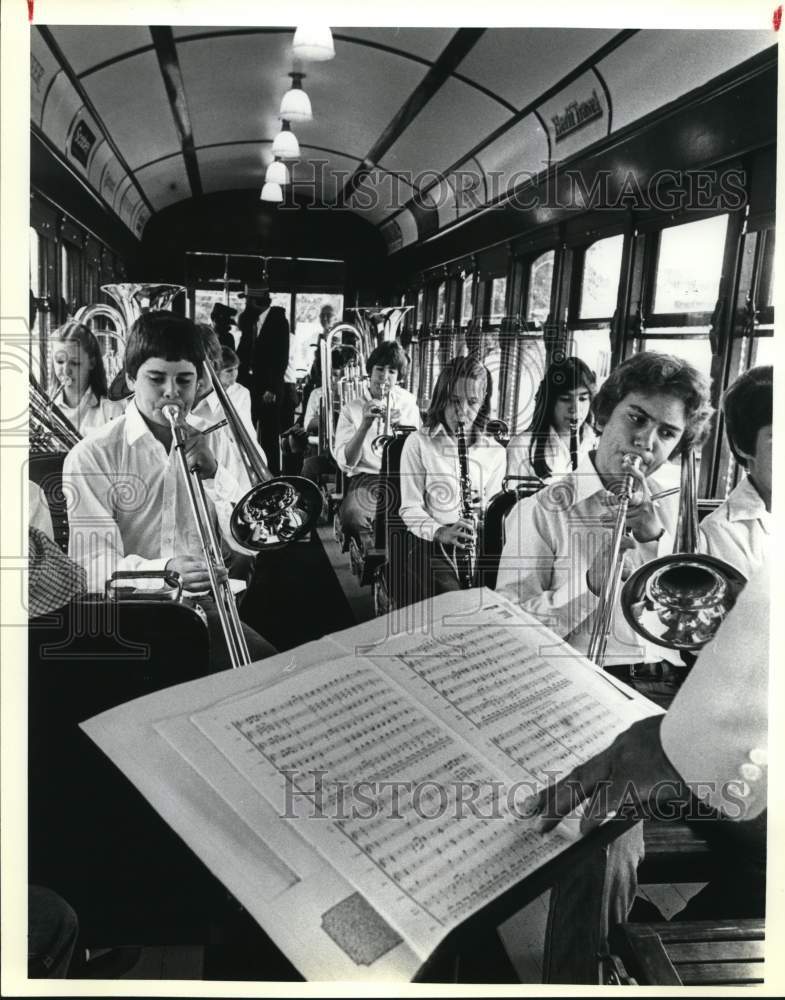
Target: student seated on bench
(360,422)
(128,506)
(739,530)
(708,757)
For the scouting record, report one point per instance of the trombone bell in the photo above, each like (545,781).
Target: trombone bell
(680,601)
(276,512)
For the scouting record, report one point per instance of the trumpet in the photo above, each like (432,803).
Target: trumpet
(275,511)
(679,601)
(334,396)
(50,430)
(222,592)
(603,619)
(384,425)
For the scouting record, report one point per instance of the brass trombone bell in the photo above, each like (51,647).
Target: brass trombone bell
(679,601)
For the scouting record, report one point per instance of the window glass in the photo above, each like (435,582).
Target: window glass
(538,303)
(203,304)
(65,282)
(441,303)
(466,299)
(308,305)
(420,296)
(600,285)
(498,292)
(762,351)
(697,350)
(689,265)
(594,348)
(530,371)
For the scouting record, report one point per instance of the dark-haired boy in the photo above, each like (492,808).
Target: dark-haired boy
(739,530)
(128,505)
(656,407)
(359,423)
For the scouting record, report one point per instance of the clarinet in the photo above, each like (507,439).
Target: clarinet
(574,443)
(465,558)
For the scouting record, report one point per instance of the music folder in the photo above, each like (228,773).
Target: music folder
(364,796)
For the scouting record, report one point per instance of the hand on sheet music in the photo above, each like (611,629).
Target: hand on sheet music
(632,772)
(459,534)
(193,572)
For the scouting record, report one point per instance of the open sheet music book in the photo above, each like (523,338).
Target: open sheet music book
(363,795)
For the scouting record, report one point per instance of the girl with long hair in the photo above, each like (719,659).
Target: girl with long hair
(79,375)
(434,486)
(559,434)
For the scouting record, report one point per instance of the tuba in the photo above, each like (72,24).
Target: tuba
(132,299)
(50,430)
(679,601)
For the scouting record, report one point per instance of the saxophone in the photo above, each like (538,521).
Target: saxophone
(465,559)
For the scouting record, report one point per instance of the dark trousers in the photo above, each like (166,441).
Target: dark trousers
(52,930)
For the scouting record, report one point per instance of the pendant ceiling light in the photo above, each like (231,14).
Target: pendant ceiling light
(272,192)
(295,104)
(277,173)
(313,43)
(285,144)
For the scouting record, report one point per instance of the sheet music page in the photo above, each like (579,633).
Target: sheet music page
(408,774)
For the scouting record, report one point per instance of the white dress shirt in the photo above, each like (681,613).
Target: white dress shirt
(90,413)
(349,422)
(716,731)
(290,375)
(556,453)
(739,530)
(128,504)
(551,539)
(208,411)
(430,478)
(313,409)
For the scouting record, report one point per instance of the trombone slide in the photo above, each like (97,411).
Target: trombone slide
(224,599)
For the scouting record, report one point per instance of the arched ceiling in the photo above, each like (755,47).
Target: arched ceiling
(152,116)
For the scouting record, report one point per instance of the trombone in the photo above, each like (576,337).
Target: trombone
(222,592)
(603,619)
(679,601)
(275,511)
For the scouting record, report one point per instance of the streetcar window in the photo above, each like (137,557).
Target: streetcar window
(441,302)
(696,350)
(498,293)
(600,284)
(466,299)
(538,302)
(689,266)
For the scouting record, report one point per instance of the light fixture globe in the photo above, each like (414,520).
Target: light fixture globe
(313,43)
(277,173)
(272,192)
(295,104)
(285,144)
